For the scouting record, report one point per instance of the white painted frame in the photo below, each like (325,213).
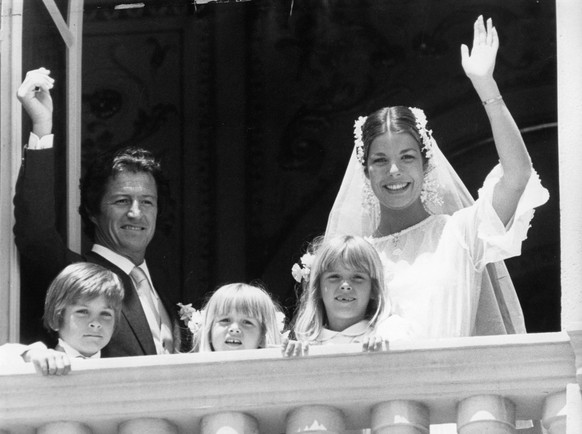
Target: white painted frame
(10,156)
(569,42)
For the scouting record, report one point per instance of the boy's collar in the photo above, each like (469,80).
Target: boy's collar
(73,353)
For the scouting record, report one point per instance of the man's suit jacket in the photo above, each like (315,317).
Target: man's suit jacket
(39,242)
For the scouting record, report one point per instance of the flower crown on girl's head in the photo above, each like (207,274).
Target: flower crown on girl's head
(427,141)
(302,272)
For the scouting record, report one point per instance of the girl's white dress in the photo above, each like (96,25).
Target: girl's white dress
(392,328)
(434,269)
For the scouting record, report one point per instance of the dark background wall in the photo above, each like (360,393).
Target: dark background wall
(251,106)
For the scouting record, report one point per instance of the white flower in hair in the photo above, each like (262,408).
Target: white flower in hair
(307,260)
(428,142)
(358,142)
(430,188)
(191,317)
(296,272)
(302,272)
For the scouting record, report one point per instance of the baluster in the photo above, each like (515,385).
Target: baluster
(554,413)
(315,419)
(229,423)
(400,417)
(64,428)
(486,413)
(574,401)
(147,425)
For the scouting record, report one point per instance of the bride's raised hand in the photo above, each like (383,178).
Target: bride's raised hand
(480,62)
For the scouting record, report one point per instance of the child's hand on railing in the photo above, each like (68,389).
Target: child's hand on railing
(292,348)
(374,343)
(49,362)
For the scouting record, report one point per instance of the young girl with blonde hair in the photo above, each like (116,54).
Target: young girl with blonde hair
(239,316)
(343,299)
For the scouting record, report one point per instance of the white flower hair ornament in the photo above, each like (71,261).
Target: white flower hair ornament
(358,141)
(429,194)
(302,272)
(192,317)
(428,142)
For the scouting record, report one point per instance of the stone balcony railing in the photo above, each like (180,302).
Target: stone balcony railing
(484,384)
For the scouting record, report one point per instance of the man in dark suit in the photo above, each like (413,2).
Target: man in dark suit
(119,206)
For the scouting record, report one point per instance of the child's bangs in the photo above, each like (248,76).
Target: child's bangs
(90,290)
(247,303)
(352,258)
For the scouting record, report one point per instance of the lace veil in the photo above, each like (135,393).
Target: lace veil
(356,211)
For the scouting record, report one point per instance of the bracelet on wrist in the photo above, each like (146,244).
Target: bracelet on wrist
(492,100)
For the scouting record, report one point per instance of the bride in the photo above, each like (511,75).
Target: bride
(442,251)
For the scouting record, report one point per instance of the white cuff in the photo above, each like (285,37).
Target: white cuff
(44,142)
(34,346)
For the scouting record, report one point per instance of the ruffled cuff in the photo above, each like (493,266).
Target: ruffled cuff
(508,239)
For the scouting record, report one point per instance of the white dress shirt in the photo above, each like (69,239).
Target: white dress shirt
(163,339)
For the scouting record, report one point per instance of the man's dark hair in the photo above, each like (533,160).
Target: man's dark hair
(108,165)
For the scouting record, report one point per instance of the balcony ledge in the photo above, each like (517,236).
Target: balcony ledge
(183,388)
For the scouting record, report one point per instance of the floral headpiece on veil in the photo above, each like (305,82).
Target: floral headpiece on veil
(429,194)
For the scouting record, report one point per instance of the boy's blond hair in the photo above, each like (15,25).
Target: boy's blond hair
(81,280)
